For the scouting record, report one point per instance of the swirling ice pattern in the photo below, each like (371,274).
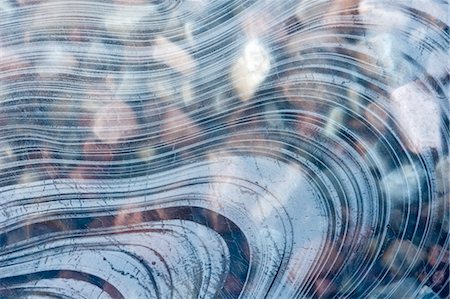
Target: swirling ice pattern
(224,149)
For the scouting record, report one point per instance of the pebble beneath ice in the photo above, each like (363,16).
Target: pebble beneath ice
(375,12)
(127,17)
(403,258)
(56,61)
(386,49)
(173,55)
(250,69)
(417,114)
(402,184)
(113,122)
(335,119)
(442,175)
(400,289)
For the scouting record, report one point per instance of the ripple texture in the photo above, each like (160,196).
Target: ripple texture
(224,149)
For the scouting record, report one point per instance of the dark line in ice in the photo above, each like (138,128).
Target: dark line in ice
(70,274)
(232,235)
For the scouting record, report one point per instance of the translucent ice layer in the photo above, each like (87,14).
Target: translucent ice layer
(224,149)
